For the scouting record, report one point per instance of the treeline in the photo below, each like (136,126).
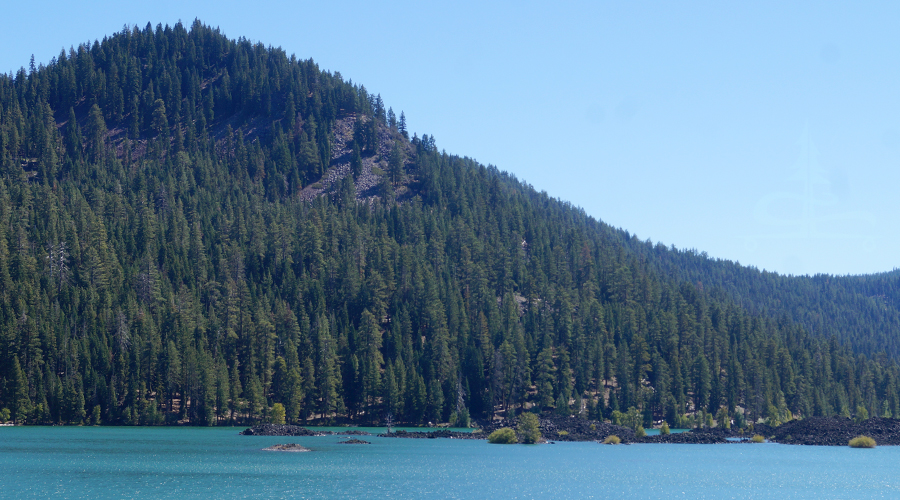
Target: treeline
(862,312)
(160,264)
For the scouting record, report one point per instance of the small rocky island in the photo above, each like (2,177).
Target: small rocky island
(354,441)
(287,447)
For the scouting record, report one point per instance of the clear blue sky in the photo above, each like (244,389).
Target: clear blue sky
(765,133)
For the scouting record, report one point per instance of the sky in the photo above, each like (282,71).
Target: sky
(766,133)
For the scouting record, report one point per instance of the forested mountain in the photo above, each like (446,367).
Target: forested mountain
(861,311)
(194,229)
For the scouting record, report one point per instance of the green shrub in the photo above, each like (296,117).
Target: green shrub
(612,439)
(664,430)
(758,439)
(563,433)
(277,414)
(503,436)
(463,420)
(4,415)
(640,432)
(593,427)
(632,418)
(377,171)
(862,442)
(529,428)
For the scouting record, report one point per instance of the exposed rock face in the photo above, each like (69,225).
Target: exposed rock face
(287,447)
(354,441)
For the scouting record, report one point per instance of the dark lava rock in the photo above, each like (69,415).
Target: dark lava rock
(354,441)
(837,431)
(294,430)
(436,434)
(686,438)
(287,447)
(281,430)
(559,428)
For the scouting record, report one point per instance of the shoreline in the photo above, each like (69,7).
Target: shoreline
(811,431)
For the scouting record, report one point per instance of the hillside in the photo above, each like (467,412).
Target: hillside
(194,229)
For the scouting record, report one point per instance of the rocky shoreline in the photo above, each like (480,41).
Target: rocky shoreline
(438,434)
(817,431)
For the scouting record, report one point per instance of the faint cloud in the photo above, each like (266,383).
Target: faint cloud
(830,53)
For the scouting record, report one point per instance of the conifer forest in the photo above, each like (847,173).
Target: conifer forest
(194,229)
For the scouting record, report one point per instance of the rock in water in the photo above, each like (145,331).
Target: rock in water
(354,441)
(287,447)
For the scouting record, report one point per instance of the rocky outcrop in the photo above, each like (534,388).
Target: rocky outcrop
(685,438)
(436,434)
(280,430)
(837,431)
(354,441)
(557,428)
(287,447)
(295,430)
(821,431)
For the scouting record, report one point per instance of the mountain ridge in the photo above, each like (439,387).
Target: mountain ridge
(218,228)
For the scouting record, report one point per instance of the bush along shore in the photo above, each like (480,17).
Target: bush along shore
(818,431)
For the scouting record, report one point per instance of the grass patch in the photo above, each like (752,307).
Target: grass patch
(862,442)
(377,171)
(758,439)
(317,185)
(613,439)
(503,436)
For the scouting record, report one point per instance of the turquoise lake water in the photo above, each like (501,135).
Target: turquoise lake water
(184,463)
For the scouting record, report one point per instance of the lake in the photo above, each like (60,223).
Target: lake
(184,463)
